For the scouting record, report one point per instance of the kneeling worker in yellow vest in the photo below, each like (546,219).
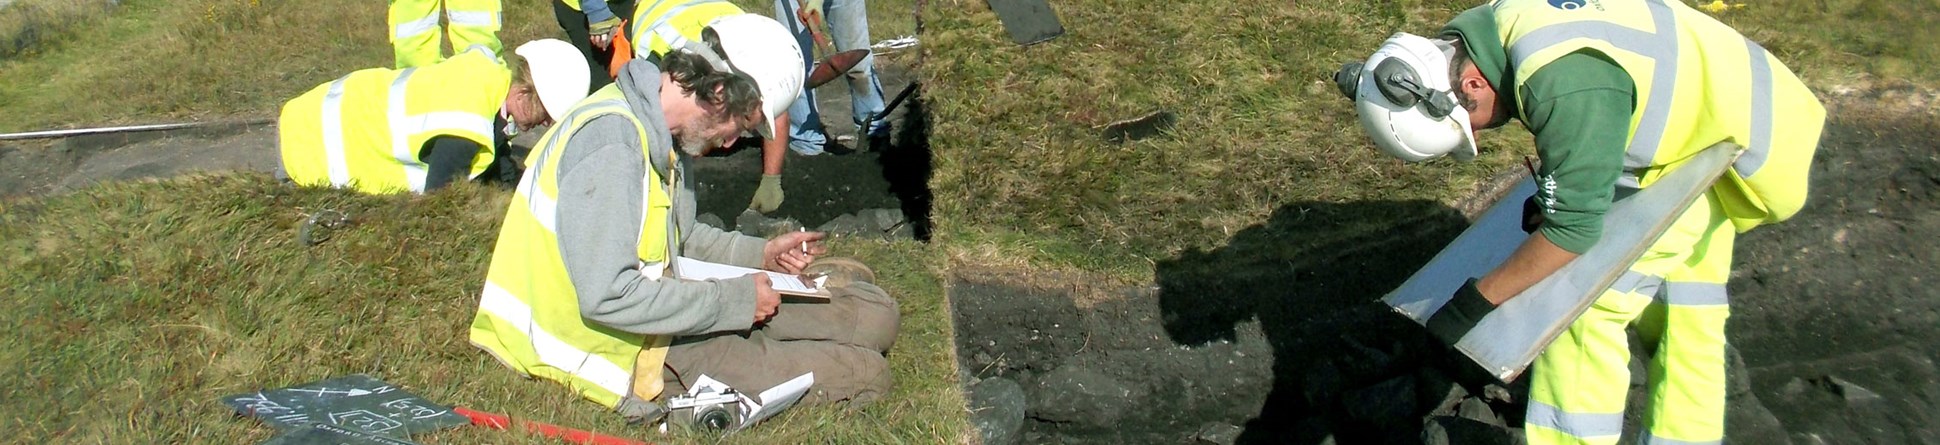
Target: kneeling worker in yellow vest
(416,129)
(1618,93)
(583,288)
(665,25)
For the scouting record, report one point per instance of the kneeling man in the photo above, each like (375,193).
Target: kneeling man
(583,289)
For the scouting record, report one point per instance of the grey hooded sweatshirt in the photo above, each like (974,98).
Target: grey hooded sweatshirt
(600,175)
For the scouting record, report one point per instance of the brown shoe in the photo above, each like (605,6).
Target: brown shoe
(841,271)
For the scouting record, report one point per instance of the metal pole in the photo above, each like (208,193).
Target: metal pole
(47,134)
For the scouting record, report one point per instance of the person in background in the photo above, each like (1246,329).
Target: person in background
(591,26)
(848,27)
(417,129)
(416,31)
(664,25)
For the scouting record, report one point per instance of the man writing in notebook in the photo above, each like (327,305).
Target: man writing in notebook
(584,289)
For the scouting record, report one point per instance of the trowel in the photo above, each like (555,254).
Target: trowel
(833,66)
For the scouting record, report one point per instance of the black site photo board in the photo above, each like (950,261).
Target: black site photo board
(353,409)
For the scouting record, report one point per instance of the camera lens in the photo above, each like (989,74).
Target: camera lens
(716,419)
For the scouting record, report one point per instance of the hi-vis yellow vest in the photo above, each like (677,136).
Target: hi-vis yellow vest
(1698,82)
(528,316)
(365,129)
(665,24)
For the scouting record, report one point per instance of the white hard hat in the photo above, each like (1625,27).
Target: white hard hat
(559,72)
(1404,96)
(764,50)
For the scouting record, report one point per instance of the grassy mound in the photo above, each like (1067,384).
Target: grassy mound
(135,306)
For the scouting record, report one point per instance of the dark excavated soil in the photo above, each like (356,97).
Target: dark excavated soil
(1278,335)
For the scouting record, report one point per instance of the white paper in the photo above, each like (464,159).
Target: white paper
(693,269)
(772,401)
(778,398)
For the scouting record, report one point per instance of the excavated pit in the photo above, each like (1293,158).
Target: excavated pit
(1278,338)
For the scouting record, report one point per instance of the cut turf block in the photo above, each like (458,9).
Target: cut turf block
(1154,124)
(1028,21)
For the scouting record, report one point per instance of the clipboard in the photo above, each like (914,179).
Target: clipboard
(807,287)
(1506,341)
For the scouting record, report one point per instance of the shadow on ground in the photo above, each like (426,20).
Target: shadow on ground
(825,187)
(1315,295)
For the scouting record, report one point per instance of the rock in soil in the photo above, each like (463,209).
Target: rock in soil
(1219,433)
(1445,430)
(1075,395)
(997,409)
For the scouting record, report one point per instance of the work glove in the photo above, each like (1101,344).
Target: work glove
(1532,215)
(768,197)
(811,16)
(1460,314)
(601,32)
(810,8)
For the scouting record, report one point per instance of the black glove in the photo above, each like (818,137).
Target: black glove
(1460,314)
(1532,215)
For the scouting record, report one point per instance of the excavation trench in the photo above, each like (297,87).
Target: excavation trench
(1277,337)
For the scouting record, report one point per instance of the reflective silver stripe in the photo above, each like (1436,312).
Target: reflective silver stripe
(1760,145)
(544,208)
(1628,179)
(1652,439)
(480,48)
(415,27)
(1661,46)
(1695,294)
(406,155)
(1633,282)
(473,18)
(333,133)
(551,350)
(1581,425)
(666,31)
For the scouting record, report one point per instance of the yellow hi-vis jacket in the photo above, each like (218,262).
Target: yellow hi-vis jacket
(1698,82)
(365,129)
(529,315)
(666,24)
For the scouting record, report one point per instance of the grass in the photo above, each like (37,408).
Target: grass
(26,25)
(1261,127)
(135,306)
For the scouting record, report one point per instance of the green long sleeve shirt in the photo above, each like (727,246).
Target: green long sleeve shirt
(1579,108)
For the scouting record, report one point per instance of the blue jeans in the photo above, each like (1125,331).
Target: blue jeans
(848,22)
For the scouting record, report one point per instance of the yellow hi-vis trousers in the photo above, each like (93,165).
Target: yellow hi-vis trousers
(1675,295)
(415,29)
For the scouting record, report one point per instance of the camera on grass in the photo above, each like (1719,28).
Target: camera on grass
(707,410)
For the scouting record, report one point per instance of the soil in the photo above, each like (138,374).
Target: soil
(1279,333)
(817,188)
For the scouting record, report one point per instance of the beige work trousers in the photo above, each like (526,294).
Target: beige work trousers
(842,341)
